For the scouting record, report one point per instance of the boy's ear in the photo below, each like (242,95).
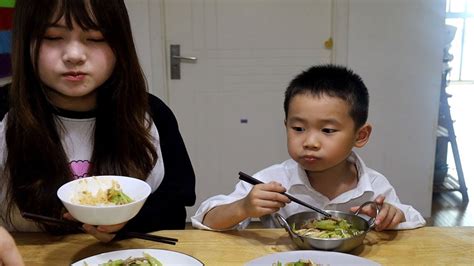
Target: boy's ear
(362,135)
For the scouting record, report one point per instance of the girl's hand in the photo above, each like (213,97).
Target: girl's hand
(104,233)
(264,199)
(389,216)
(9,254)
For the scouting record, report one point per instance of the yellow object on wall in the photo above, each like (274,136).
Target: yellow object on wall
(328,44)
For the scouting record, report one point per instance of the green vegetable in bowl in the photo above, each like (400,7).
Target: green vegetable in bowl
(328,224)
(327,228)
(117,197)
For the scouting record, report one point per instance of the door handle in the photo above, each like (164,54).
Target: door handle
(188,58)
(176,59)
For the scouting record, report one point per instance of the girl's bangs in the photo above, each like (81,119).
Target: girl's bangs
(80,12)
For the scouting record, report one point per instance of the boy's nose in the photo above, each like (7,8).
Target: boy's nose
(74,54)
(312,142)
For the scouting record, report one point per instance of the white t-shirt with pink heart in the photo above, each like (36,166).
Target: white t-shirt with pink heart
(76,138)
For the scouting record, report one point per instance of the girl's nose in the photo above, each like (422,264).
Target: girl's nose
(74,54)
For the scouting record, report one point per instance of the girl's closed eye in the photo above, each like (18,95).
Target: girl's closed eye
(95,36)
(96,39)
(54,32)
(52,37)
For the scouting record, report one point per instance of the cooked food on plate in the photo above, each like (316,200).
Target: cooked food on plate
(300,262)
(146,260)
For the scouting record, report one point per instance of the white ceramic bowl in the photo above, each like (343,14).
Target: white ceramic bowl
(135,188)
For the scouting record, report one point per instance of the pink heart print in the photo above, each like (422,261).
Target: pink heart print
(80,168)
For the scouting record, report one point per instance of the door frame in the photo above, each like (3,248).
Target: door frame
(158,51)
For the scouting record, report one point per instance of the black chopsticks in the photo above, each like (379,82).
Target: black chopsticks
(162,239)
(120,234)
(51,220)
(249,179)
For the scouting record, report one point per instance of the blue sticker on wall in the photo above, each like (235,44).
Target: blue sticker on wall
(5,42)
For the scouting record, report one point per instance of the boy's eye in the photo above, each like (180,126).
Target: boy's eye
(329,130)
(298,129)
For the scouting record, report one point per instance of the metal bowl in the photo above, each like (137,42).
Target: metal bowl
(330,244)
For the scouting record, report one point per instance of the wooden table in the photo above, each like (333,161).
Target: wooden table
(428,246)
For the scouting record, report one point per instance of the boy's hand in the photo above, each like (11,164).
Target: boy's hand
(264,199)
(389,216)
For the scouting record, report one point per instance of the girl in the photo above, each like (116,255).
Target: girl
(78,106)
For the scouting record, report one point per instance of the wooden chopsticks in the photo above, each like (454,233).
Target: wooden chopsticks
(120,234)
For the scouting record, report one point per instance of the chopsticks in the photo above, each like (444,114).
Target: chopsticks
(120,234)
(161,239)
(251,180)
(51,220)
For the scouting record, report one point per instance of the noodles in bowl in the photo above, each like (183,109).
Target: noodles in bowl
(332,227)
(104,200)
(304,232)
(112,195)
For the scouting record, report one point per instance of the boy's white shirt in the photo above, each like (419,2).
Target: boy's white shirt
(290,174)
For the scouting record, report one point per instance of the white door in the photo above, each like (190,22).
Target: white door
(229,103)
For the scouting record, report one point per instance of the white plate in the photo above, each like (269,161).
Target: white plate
(317,257)
(166,257)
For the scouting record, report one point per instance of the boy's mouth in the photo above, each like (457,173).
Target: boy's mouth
(311,158)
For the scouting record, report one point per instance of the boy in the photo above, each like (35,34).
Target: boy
(326,109)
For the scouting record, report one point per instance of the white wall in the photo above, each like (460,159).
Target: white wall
(396,46)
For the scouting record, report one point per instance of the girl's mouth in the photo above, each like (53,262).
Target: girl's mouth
(74,76)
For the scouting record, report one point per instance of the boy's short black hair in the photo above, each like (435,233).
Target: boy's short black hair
(334,81)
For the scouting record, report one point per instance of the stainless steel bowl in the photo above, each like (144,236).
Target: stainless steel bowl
(331,244)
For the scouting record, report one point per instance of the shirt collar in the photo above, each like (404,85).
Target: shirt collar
(74,114)
(363,184)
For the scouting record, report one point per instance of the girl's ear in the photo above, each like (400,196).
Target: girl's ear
(362,135)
